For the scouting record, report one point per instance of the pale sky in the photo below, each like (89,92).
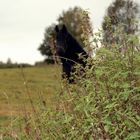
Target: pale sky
(23,22)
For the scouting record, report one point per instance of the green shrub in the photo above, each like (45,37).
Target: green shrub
(103,104)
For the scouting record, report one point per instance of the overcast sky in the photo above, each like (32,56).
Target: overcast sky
(22,24)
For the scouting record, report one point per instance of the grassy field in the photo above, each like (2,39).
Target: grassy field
(19,87)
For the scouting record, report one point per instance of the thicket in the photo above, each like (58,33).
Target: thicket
(104,103)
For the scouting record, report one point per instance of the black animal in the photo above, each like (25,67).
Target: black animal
(68,49)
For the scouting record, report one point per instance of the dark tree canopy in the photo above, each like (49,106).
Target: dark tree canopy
(122,15)
(46,48)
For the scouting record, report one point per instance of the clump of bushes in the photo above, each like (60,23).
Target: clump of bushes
(104,103)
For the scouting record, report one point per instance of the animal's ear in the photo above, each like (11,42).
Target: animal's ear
(64,28)
(56,29)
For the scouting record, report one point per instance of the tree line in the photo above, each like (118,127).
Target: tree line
(10,64)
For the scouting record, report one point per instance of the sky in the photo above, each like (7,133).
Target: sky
(23,22)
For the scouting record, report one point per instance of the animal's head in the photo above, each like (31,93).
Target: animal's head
(61,40)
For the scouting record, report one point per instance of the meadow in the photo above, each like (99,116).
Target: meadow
(23,88)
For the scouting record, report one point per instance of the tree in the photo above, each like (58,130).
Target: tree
(78,23)
(46,48)
(9,61)
(121,16)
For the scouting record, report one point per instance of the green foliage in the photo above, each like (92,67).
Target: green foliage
(104,104)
